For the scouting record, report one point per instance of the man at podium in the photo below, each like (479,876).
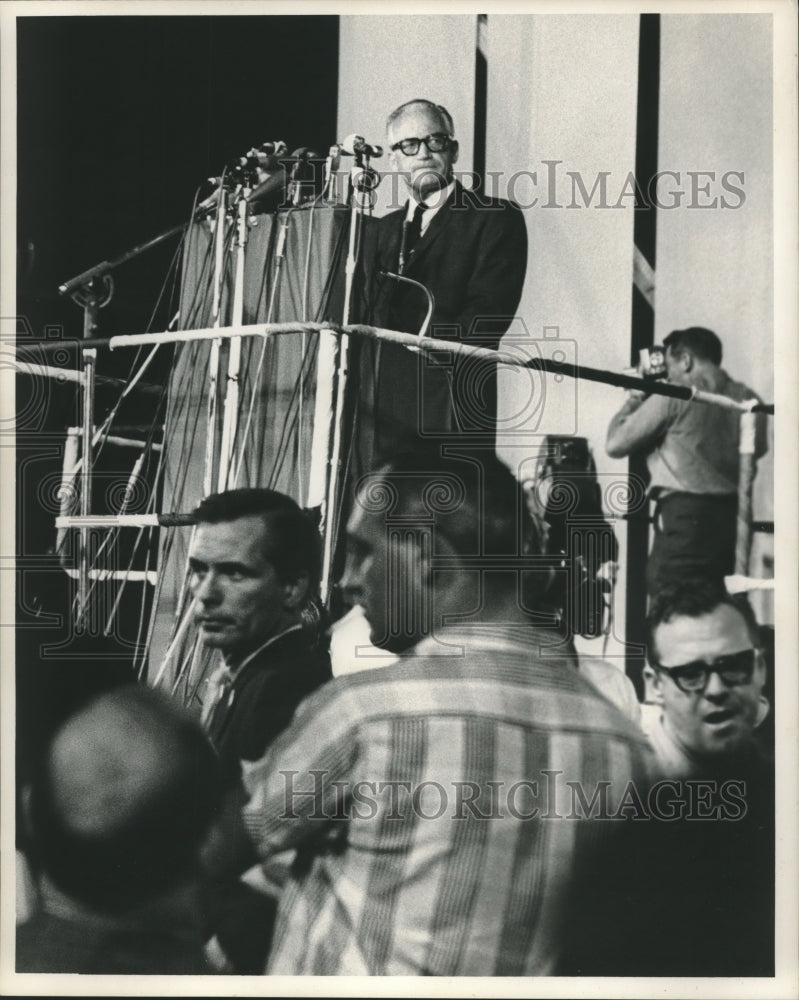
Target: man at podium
(470,253)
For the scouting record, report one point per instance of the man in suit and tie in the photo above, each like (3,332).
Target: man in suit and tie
(470,252)
(254,563)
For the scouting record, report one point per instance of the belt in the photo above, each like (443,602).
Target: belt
(661,498)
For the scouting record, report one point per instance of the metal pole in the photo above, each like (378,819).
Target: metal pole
(213,361)
(746,475)
(231,408)
(330,507)
(90,310)
(642,323)
(322,418)
(416,343)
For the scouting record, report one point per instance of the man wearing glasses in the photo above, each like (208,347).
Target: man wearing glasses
(470,252)
(674,891)
(707,670)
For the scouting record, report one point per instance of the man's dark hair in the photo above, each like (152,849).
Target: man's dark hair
(292,543)
(702,343)
(439,109)
(471,500)
(692,599)
(118,819)
(474,502)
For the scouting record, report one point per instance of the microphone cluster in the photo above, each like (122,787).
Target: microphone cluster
(267,169)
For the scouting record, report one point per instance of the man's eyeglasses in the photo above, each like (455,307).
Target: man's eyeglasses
(437,142)
(733,669)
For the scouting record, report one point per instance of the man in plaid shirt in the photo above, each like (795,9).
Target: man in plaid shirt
(437,806)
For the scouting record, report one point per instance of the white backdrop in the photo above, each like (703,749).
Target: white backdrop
(564,88)
(716,266)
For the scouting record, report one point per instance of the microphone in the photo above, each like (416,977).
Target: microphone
(356,145)
(262,161)
(302,153)
(332,164)
(277,147)
(263,157)
(234,172)
(303,173)
(303,168)
(334,157)
(274,185)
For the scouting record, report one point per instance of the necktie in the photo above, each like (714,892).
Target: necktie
(413,230)
(220,686)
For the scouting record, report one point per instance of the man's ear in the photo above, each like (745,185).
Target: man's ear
(295,592)
(412,552)
(687,361)
(445,585)
(652,689)
(455,148)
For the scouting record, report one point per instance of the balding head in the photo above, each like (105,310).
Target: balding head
(422,104)
(123,799)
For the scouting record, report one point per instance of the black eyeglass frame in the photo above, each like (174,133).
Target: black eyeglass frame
(441,139)
(731,668)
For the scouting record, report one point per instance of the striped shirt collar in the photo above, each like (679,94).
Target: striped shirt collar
(520,637)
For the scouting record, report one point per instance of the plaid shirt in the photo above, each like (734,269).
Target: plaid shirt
(421,801)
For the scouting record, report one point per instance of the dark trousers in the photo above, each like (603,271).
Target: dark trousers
(694,537)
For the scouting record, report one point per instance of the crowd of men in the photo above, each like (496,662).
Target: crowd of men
(481,805)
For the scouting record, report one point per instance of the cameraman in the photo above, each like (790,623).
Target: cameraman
(692,455)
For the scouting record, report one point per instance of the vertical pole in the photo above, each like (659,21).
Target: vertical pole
(230,420)
(90,310)
(746,474)
(322,419)
(213,362)
(328,525)
(480,98)
(643,314)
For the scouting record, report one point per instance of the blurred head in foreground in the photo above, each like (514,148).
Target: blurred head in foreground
(122,800)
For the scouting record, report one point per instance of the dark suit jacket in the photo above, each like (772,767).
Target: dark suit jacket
(262,700)
(473,258)
(264,696)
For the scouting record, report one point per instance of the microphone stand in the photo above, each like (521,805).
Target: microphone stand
(431,302)
(335,351)
(332,163)
(213,360)
(93,296)
(105,267)
(231,410)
